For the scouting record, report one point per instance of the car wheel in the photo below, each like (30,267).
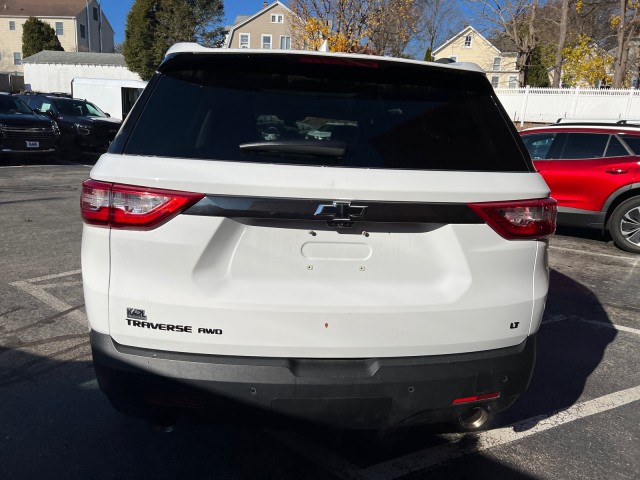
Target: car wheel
(624,225)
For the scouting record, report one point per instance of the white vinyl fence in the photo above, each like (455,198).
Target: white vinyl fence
(546,105)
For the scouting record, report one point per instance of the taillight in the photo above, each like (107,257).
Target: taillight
(520,219)
(129,207)
(94,202)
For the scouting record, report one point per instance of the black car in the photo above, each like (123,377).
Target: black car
(84,127)
(24,131)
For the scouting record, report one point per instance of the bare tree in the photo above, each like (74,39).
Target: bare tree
(515,20)
(397,24)
(561,23)
(439,18)
(626,24)
(562,41)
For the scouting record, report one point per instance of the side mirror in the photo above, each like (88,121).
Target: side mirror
(37,110)
(108,115)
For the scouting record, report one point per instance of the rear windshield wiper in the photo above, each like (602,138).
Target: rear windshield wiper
(325,148)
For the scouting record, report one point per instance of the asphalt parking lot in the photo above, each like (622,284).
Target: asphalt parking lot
(579,418)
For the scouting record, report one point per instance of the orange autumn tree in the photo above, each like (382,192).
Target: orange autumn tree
(357,26)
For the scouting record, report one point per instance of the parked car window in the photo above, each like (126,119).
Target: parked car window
(633,141)
(388,120)
(615,148)
(78,108)
(584,145)
(10,104)
(32,102)
(539,144)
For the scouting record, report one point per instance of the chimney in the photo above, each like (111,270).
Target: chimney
(265,4)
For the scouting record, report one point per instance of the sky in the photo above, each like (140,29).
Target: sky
(116,11)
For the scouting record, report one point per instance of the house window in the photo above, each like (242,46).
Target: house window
(467,41)
(12,25)
(513,81)
(83,32)
(285,43)
(17,58)
(95,13)
(277,18)
(59,28)
(244,40)
(495,81)
(497,63)
(266,42)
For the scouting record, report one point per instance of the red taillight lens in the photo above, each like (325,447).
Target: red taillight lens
(129,207)
(94,202)
(520,219)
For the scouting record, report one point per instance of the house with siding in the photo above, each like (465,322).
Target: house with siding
(269,28)
(469,45)
(80,25)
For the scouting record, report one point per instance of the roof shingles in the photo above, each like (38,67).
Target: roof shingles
(41,8)
(77,58)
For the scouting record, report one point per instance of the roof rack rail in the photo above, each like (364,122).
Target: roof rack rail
(598,121)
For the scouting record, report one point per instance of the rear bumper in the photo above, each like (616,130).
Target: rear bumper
(349,393)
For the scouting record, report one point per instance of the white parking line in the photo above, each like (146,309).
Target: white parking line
(620,328)
(494,438)
(561,317)
(39,291)
(635,260)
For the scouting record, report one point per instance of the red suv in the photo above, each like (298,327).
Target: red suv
(593,172)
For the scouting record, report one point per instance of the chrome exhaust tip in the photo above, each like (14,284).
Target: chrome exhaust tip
(474,419)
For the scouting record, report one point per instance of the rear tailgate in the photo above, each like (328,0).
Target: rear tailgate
(300,288)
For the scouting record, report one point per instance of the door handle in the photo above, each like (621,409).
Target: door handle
(616,171)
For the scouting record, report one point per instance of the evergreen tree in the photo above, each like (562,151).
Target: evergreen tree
(154,25)
(140,47)
(191,21)
(428,57)
(537,75)
(37,36)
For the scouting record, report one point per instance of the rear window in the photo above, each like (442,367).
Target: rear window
(325,111)
(633,141)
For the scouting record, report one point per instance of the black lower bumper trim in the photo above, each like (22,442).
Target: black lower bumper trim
(349,393)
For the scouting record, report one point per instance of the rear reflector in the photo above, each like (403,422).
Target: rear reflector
(520,219)
(133,208)
(476,398)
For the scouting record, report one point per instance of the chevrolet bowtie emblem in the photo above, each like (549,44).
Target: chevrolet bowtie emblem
(341,211)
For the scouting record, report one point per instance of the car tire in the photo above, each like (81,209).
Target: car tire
(624,225)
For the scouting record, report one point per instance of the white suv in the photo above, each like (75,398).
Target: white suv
(395,276)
